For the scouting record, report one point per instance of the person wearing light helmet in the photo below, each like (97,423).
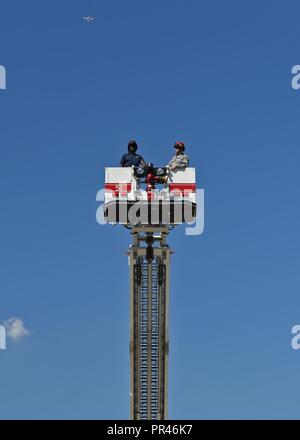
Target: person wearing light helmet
(180,161)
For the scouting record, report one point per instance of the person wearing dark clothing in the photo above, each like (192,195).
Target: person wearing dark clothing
(131,158)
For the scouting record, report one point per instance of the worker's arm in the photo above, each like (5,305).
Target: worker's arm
(122,162)
(142,163)
(171,163)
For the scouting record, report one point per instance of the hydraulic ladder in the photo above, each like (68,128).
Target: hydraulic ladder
(149,257)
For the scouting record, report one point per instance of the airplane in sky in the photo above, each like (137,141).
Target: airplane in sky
(89,18)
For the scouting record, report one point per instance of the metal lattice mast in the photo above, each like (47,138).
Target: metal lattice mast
(149,345)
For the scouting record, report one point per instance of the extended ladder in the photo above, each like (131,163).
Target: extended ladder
(149,257)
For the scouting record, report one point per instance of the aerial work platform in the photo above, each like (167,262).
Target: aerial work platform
(133,200)
(128,203)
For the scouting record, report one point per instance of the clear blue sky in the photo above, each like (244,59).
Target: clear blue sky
(215,74)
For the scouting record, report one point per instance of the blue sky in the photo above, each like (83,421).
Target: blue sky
(214,74)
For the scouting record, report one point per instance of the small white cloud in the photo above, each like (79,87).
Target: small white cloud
(15,329)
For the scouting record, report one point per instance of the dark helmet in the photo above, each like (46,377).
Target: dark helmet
(179,145)
(132,146)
